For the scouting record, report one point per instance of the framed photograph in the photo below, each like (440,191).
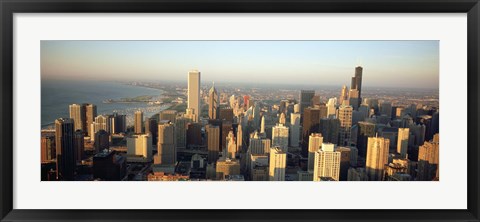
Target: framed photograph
(245,110)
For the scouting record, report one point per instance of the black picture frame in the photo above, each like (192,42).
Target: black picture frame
(9,7)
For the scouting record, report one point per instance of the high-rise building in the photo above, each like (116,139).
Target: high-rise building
(259,145)
(354,99)
(314,144)
(213,103)
(213,142)
(151,127)
(428,159)
(277,164)
(168,114)
(194,93)
(167,152)
(240,147)
(246,102)
(78,114)
(282,119)
(109,167)
(119,123)
(65,148)
(231,150)
(344,96)
(327,163)
(227,167)
(345,155)
(386,109)
(102,141)
(294,129)
(311,124)
(357,174)
(140,145)
(306,97)
(91,113)
(402,141)
(377,157)
(365,130)
(329,128)
(48,147)
(226,114)
(262,125)
(79,146)
(181,131)
(345,117)
(357,81)
(194,135)
(296,108)
(138,122)
(280,136)
(226,127)
(332,108)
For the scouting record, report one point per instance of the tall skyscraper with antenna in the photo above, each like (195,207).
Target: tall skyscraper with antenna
(357,81)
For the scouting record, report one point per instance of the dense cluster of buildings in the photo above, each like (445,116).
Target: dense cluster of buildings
(238,137)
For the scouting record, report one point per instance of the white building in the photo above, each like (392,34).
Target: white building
(280,136)
(277,164)
(327,162)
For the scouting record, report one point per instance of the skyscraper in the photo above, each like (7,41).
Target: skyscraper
(402,141)
(213,103)
(102,141)
(48,147)
(280,137)
(365,130)
(386,109)
(329,128)
(151,127)
(306,97)
(78,114)
(194,93)
(311,124)
(65,148)
(345,117)
(262,125)
(377,157)
(357,81)
(167,152)
(294,129)
(140,145)
(240,147)
(170,115)
(79,145)
(231,149)
(138,122)
(332,108)
(91,113)
(344,96)
(345,159)
(258,145)
(327,163)
(181,131)
(213,142)
(277,164)
(314,144)
(354,99)
(282,119)
(428,159)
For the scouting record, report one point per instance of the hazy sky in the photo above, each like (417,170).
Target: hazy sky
(412,64)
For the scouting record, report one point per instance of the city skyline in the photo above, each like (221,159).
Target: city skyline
(407,64)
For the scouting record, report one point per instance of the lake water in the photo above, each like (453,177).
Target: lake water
(57,95)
